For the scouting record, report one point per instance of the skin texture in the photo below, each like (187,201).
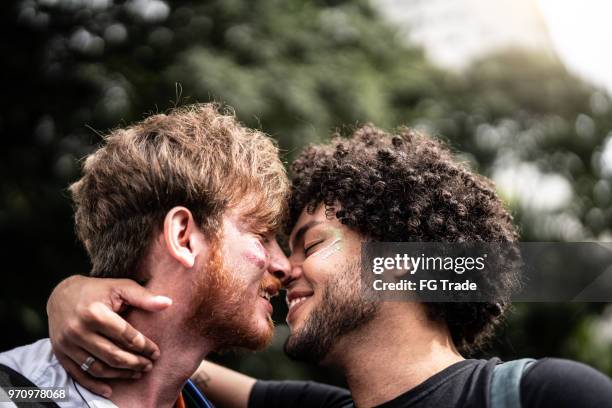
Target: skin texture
(229,180)
(329,248)
(340,324)
(400,187)
(236,285)
(80,305)
(407,186)
(185,265)
(335,304)
(95,329)
(415,347)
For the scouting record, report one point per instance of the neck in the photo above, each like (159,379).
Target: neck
(379,369)
(181,353)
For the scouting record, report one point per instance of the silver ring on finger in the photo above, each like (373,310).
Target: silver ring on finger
(87,364)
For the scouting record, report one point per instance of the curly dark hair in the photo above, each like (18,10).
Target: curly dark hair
(407,187)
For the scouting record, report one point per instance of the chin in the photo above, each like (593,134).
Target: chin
(268,326)
(295,327)
(252,337)
(263,331)
(297,323)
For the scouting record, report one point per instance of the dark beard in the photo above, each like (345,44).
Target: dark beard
(344,307)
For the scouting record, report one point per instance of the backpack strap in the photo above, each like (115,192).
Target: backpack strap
(505,385)
(194,397)
(11,378)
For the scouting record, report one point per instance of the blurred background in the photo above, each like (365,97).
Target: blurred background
(520,90)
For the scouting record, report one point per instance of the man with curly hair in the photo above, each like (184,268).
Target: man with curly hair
(406,187)
(376,186)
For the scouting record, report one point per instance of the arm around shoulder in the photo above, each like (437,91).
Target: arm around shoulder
(229,388)
(224,387)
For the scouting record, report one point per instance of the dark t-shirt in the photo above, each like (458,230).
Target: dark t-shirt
(549,382)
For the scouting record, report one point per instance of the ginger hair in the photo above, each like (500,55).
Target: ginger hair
(195,156)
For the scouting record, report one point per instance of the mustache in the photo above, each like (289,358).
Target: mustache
(270,284)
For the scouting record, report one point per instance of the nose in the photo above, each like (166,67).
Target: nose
(295,271)
(279,265)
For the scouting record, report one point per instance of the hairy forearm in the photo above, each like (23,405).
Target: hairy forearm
(224,387)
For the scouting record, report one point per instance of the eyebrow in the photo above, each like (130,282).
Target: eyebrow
(300,233)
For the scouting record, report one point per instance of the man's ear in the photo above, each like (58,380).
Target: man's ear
(179,230)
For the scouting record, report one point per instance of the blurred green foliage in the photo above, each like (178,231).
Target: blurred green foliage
(298,70)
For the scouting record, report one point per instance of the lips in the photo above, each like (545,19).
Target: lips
(295,299)
(265,296)
(267,304)
(294,302)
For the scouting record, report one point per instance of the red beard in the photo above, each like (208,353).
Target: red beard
(223,310)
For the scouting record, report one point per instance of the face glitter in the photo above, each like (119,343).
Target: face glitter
(333,247)
(330,250)
(256,254)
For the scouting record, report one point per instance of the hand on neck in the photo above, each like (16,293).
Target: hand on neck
(182,350)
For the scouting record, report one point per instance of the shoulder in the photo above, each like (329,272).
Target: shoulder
(37,363)
(564,383)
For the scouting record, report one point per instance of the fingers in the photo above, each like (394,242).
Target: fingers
(137,296)
(98,318)
(100,369)
(93,385)
(97,332)
(108,353)
(95,326)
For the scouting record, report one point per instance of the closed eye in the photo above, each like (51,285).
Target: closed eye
(311,246)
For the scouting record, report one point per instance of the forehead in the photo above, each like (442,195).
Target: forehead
(308,220)
(248,218)
(237,220)
(306,217)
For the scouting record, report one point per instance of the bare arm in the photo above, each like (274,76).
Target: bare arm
(224,387)
(83,322)
(229,389)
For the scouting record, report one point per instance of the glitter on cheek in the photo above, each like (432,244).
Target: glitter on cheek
(256,255)
(254,259)
(332,248)
(331,251)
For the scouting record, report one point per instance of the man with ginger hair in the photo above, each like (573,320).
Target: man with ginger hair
(385,187)
(184,203)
